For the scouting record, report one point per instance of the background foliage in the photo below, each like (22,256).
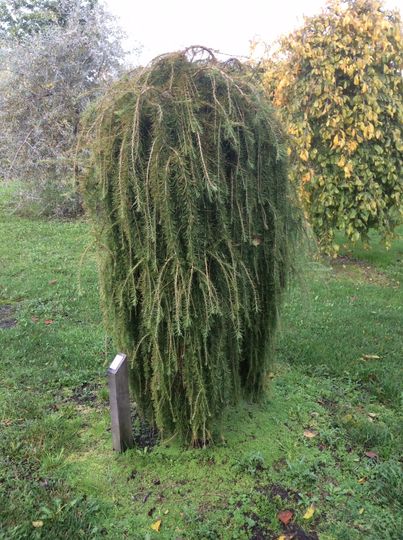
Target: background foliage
(19,18)
(56,58)
(339,85)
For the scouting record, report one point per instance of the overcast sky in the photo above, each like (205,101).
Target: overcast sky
(162,26)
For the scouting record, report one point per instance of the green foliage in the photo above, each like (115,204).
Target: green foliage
(387,482)
(195,224)
(252,463)
(338,81)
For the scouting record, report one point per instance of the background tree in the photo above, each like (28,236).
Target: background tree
(19,18)
(338,81)
(48,76)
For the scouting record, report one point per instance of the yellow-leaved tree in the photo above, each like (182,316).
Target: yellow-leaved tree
(338,83)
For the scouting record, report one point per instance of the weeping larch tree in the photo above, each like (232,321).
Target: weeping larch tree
(196,225)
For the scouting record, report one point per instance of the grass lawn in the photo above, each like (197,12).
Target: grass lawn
(326,437)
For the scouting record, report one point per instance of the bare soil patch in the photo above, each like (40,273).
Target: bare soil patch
(7,319)
(356,269)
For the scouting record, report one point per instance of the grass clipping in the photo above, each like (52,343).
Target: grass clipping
(188,193)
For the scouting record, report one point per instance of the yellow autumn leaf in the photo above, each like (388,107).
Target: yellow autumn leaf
(37,524)
(336,140)
(282,537)
(370,130)
(352,146)
(304,155)
(341,162)
(310,512)
(348,169)
(156,526)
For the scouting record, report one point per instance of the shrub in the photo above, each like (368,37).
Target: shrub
(195,222)
(339,85)
(47,79)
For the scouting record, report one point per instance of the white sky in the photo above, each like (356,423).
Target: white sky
(162,26)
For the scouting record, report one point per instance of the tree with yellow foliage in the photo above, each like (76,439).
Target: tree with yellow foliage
(338,83)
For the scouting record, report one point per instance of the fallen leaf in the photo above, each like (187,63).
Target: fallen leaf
(347,418)
(37,524)
(370,357)
(256,241)
(282,537)
(156,526)
(372,415)
(309,433)
(371,455)
(310,512)
(285,516)
(166,512)
(53,282)
(34,319)
(362,480)
(361,511)
(49,321)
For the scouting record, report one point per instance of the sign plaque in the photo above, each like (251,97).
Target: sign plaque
(119,398)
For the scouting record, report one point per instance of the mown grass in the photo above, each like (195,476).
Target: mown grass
(337,376)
